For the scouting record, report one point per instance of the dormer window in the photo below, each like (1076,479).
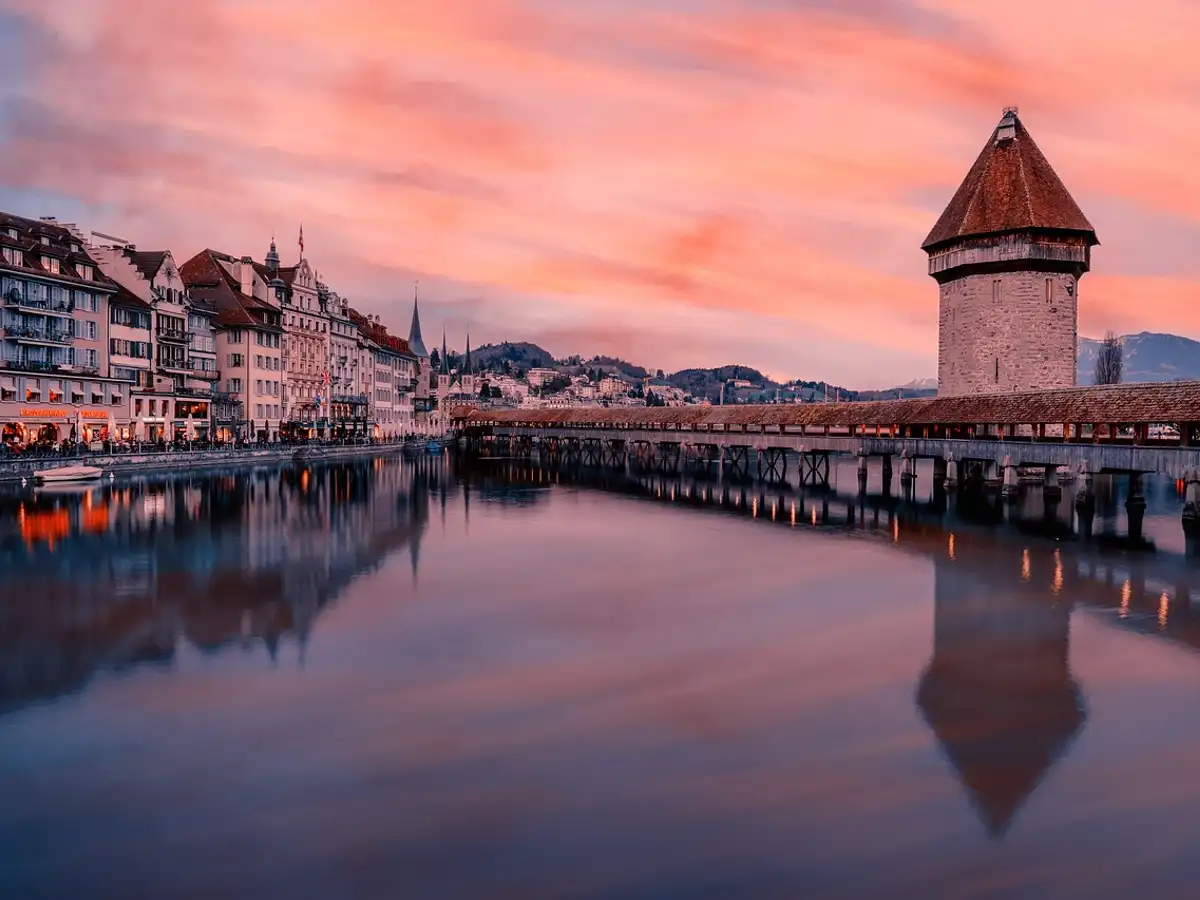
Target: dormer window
(12,232)
(45,241)
(50,264)
(85,272)
(74,248)
(12,256)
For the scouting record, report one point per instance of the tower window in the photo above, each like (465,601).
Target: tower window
(1049,290)
(996,290)
(997,370)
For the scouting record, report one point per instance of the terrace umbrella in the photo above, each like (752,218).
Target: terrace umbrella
(190,429)
(112,427)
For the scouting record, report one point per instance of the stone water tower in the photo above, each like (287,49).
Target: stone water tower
(1007,255)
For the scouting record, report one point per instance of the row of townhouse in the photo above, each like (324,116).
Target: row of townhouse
(100,337)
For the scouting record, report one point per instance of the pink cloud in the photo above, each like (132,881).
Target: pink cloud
(777,163)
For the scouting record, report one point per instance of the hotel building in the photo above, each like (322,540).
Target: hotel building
(54,371)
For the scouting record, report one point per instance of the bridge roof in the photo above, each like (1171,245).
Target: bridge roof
(1118,404)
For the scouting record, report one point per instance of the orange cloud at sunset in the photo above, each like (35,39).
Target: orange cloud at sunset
(681,183)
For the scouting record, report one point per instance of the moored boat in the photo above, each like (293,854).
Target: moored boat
(67,473)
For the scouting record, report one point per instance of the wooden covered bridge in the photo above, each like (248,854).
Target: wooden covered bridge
(1131,428)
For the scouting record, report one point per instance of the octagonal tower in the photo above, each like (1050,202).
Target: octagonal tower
(1007,254)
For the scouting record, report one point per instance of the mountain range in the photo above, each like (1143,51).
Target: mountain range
(1148,357)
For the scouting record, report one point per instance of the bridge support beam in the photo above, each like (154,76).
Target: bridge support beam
(863,460)
(706,459)
(668,456)
(737,461)
(814,468)
(1135,507)
(593,452)
(614,453)
(772,464)
(885,474)
(643,455)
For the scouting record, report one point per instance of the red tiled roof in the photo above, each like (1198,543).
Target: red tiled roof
(1177,401)
(148,262)
(211,282)
(29,235)
(1011,187)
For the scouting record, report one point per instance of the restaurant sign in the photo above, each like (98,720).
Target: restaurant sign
(31,413)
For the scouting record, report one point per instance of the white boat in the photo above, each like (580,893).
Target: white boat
(67,473)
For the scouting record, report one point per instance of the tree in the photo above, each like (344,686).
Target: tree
(659,374)
(1110,362)
(435,360)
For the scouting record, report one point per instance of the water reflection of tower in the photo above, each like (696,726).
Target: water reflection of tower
(998,692)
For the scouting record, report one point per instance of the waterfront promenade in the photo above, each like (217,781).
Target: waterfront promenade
(14,468)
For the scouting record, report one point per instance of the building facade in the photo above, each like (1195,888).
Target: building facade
(249,340)
(54,373)
(1008,253)
(306,342)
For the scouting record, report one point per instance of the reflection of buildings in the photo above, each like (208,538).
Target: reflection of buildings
(116,576)
(998,691)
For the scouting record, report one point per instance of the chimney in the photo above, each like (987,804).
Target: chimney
(246,272)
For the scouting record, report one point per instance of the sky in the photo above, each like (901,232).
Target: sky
(677,182)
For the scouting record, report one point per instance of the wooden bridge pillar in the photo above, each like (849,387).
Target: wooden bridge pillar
(1010,487)
(1051,489)
(1135,507)
(814,468)
(593,452)
(614,453)
(863,460)
(1191,510)
(885,473)
(1085,501)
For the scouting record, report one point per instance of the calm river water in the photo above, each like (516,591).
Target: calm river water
(399,679)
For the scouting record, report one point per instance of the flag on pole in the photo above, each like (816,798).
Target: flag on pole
(302,240)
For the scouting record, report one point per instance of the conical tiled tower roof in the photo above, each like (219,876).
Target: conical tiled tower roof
(415,342)
(1011,187)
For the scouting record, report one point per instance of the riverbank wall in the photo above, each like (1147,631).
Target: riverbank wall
(14,469)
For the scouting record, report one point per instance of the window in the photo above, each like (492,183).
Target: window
(13,256)
(258,410)
(89,329)
(45,241)
(87,302)
(85,272)
(131,318)
(116,398)
(33,389)
(236,361)
(236,335)
(258,386)
(1049,290)
(235,385)
(996,282)
(97,395)
(56,392)
(997,370)
(197,323)
(90,357)
(137,406)
(51,264)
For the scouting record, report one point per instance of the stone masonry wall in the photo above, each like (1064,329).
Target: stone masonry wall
(1007,332)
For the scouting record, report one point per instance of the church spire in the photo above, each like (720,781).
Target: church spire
(466,369)
(273,257)
(445,359)
(415,342)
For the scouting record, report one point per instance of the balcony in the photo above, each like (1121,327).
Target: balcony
(39,336)
(16,300)
(204,374)
(31,365)
(224,397)
(194,392)
(175,336)
(348,398)
(174,365)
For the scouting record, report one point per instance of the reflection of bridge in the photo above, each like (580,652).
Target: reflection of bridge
(118,575)
(997,692)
